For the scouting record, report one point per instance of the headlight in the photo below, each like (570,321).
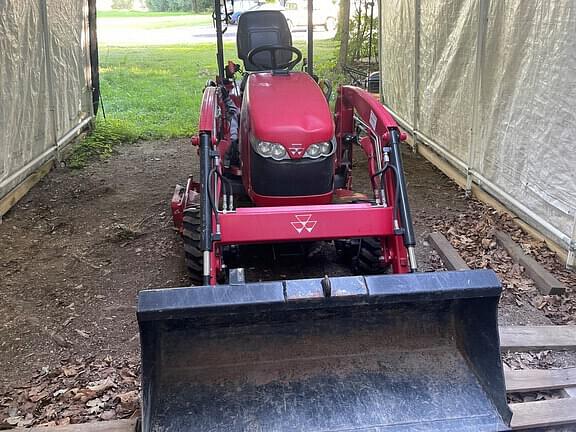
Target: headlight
(264,148)
(268,149)
(278,152)
(320,149)
(313,151)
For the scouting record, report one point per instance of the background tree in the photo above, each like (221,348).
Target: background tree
(343,33)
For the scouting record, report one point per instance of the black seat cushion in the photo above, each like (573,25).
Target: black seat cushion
(262,27)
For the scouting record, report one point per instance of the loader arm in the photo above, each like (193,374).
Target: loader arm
(212,145)
(355,108)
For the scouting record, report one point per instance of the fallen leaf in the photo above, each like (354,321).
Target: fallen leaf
(82,333)
(95,406)
(69,371)
(108,415)
(84,395)
(101,386)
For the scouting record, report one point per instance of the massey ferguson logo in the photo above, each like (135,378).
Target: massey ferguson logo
(296,150)
(303,222)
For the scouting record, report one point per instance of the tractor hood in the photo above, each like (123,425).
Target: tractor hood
(288,109)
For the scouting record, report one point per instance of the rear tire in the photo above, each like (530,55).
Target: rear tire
(191,234)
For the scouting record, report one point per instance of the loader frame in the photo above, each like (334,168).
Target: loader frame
(387,217)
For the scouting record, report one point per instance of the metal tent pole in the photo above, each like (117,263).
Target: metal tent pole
(370,37)
(416,100)
(475,140)
(49,70)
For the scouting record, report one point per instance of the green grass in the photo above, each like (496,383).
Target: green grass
(137,14)
(130,20)
(155,92)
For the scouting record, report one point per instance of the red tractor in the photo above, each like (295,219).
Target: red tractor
(396,352)
(272,138)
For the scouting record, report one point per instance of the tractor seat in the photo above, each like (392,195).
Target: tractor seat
(259,28)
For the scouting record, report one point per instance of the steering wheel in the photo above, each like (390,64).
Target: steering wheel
(273,49)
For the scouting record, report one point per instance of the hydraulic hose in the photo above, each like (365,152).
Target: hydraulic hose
(386,167)
(211,195)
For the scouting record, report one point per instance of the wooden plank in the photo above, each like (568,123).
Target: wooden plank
(450,257)
(16,194)
(102,426)
(543,413)
(539,379)
(537,338)
(459,178)
(546,283)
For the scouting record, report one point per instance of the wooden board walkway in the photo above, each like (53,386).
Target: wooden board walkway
(547,284)
(537,338)
(544,413)
(103,426)
(539,379)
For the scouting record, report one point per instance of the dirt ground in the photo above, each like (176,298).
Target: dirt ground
(78,248)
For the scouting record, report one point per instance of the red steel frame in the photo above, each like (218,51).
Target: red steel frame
(248,225)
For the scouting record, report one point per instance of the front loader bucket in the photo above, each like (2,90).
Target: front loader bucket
(414,352)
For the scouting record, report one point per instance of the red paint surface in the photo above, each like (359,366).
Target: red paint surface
(288,109)
(291,109)
(207,111)
(298,223)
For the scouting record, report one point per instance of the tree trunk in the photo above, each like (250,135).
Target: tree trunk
(343,33)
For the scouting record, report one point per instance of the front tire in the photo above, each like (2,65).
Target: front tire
(362,255)
(191,235)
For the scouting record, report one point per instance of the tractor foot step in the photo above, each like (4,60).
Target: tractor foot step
(236,276)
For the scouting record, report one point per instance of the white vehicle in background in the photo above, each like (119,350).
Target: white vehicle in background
(259,5)
(325,14)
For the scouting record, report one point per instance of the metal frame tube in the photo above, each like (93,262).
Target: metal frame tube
(416,100)
(219,43)
(370,37)
(49,71)
(476,121)
(310,60)
(72,133)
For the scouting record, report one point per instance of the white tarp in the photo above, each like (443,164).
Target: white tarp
(496,96)
(45,88)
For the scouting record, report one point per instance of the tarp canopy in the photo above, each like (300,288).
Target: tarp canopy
(490,86)
(45,82)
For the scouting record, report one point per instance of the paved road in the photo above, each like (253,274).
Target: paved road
(112,35)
